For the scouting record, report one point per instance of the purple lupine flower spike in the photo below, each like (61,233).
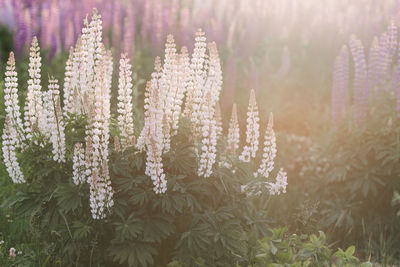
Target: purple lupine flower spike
(116,25)
(146,21)
(173,17)
(184,27)
(157,23)
(45,28)
(55,38)
(7,17)
(69,37)
(384,62)
(129,32)
(373,65)
(19,37)
(35,10)
(360,87)
(340,85)
(397,83)
(397,79)
(392,35)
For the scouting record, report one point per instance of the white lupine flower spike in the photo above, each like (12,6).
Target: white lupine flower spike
(269,152)
(11,100)
(68,84)
(124,106)
(280,184)
(218,119)
(34,119)
(207,100)
(252,130)
(79,166)
(54,118)
(9,138)
(233,132)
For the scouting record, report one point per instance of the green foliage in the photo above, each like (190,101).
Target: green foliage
(342,181)
(197,220)
(280,249)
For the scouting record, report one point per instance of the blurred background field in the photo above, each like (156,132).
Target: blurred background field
(343,172)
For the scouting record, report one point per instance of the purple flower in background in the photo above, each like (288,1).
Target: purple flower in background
(45,35)
(392,35)
(117,22)
(23,32)
(360,86)
(384,61)
(129,31)
(146,21)
(69,37)
(184,26)
(396,80)
(340,83)
(157,36)
(373,65)
(51,20)
(6,14)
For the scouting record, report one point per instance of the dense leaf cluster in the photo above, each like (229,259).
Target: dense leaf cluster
(197,219)
(343,182)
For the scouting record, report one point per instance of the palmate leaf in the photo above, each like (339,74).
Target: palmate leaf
(170,203)
(8,203)
(133,253)
(81,230)
(175,199)
(68,197)
(139,196)
(157,227)
(194,241)
(128,228)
